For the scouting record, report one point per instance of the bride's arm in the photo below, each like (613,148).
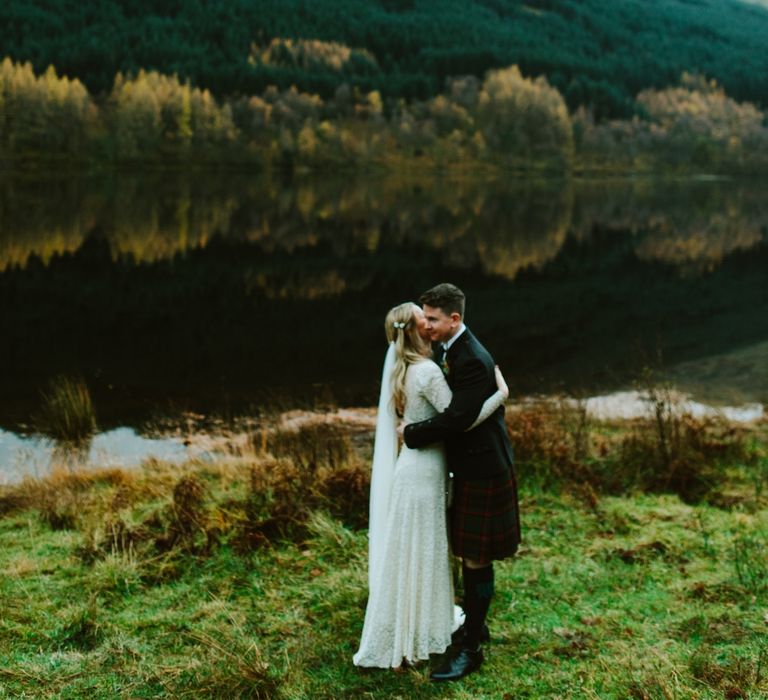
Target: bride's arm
(493,402)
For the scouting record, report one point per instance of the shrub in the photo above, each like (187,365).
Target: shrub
(312,467)
(669,452)
(672,451)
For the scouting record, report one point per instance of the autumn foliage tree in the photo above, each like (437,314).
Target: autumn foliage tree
(43,115)
(697,119)
(153,112)
(690,126)
(523,119)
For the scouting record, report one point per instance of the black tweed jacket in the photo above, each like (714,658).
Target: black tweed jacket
(484,451)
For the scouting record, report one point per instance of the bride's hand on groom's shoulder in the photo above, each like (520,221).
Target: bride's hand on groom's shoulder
(500,383)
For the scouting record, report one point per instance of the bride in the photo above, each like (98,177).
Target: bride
(410,611)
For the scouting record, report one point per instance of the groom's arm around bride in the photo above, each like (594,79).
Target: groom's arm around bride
(484,451)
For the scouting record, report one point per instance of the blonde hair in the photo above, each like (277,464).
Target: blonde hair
(402,330)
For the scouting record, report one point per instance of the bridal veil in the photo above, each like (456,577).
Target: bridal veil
(382,470)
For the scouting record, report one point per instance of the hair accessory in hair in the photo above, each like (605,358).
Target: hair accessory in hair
(399,324)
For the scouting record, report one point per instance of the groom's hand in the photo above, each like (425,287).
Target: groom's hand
(401,429)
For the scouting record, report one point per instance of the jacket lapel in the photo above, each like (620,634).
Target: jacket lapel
(461,341)
(453,354)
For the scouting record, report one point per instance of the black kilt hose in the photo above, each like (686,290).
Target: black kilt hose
(484,520)
(484,517)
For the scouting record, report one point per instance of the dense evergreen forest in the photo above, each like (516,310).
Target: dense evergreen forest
(594,53)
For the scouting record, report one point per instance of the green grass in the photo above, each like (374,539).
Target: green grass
(614,597)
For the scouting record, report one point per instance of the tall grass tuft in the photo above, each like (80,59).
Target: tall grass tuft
(66,415)
(232,666)
(186,518)
(81,629)
(313,446)
(59,504)
(727,674)
(750,562)
(63,498)
(314,466)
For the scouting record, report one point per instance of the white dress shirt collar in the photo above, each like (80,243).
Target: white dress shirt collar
(447,344)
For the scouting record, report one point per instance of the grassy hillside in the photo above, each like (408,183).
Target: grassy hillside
(594,53)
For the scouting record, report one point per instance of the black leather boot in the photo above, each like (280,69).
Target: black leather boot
(464,663)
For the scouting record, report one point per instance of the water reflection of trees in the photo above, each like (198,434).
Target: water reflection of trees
(498,228)
(691,224)
(146,220)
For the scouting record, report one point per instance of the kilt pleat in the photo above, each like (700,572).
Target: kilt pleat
(485,518)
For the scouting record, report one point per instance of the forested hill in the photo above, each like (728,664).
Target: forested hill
(595,52)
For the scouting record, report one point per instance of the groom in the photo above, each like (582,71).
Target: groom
(484,518)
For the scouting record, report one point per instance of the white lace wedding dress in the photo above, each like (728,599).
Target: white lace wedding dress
(410,611)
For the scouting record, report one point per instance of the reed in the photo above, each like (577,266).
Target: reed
(66,415)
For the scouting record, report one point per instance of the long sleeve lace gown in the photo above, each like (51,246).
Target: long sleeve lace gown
(410,609)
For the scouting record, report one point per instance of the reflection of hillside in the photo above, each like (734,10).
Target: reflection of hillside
(18,245)
(690,224)
(499,228)
(469,223)
(150,229)
(41,219)
(700,249)
(525,231)
(147,221)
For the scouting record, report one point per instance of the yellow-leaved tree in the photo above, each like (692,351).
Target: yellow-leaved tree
(524,119)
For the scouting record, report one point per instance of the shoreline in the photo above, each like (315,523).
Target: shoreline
(616,406)
(197,437)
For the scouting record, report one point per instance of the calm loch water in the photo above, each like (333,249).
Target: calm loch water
(229,293)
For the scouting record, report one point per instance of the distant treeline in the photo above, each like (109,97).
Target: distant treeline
(505,120)
(597,54)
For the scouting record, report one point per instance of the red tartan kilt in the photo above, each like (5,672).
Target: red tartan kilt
(485,518)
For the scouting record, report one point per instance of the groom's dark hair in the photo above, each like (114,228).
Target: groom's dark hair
(445,296)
